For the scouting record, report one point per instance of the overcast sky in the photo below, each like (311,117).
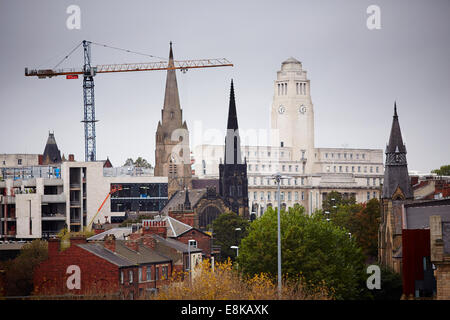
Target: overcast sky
(356,73)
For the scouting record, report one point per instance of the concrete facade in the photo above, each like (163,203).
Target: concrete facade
(68,194)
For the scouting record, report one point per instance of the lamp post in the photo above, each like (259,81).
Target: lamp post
(189,259)
(237,250)
(277,177)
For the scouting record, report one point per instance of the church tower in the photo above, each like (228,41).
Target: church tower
(396,192)
(172,153)
(233,182)
(292,114)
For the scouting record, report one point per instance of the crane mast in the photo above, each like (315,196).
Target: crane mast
(90,152)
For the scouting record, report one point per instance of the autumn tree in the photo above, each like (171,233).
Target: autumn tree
(19,271)
(318,250)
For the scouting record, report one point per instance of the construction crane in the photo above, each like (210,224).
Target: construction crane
(114,189)
(88,71)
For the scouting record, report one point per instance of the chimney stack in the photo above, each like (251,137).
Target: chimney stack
(109,242)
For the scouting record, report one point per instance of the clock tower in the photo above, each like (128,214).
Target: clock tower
(293,113)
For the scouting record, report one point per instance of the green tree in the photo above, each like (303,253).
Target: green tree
(319,250)
(442,171)
(226,235)
(140,163)
(19,272)
(391,286)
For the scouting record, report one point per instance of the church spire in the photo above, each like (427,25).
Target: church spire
(171,97)
(232,117)
(396,169)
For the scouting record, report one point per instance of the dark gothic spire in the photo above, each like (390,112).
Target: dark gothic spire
(395,139)
(51,152)
(396,170)
(187,202)
(232,117)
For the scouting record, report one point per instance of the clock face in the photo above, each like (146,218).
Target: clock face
(302,109)
(281,109)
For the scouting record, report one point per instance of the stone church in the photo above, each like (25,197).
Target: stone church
(172,152)
(397,192)
(190,198)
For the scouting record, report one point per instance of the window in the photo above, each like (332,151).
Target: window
(351,155)
(149,273)
(262,195)
(263,167)
(121,277)
(363,156)
(290,168)
(165,274)
(282,196)
(268,195)
(353,168)
(295,181)
(303,181)
(346,169)
(19,162)
(368,181)
(368,195)
(303,195)
(374,181)
(340,168)
(357,156)
(268,153)
(359,169)
(296,196)
(296,168)
(140,274)
(374,194)
(365,169)
(326,155)
(289,196)
(376,169)
(256,167)
(249,167)
(289,182)
(284,167)
(334,168)
(130,276)
(254,195)
(157,273)
(371,169)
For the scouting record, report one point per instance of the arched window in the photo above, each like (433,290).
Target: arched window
(207,216)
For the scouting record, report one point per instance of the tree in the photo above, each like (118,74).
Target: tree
(364,225)
(226,235)
(19,272)
(140,163)
(318,250)
(442,171)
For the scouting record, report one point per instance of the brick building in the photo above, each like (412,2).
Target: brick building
(125,269)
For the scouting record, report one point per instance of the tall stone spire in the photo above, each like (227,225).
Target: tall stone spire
(172,153)
(396,177)
(171,98)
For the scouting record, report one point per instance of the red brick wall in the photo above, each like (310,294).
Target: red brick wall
(203,240)
(185,217)
(97,275)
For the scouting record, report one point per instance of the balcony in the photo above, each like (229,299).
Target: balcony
(54,198)
(53,216)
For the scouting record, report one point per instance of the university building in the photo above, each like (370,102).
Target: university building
(311,172)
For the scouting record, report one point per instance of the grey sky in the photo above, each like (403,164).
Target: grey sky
(356,73)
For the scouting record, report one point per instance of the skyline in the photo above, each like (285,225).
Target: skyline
(356,74)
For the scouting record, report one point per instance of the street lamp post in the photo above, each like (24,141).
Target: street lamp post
(277,177)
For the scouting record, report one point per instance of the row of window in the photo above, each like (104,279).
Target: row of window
(268,195)
(300,88)
(345,156)
(269,181)
(161,273)
(284,168)
(375,181)
(268,154)
(352,169)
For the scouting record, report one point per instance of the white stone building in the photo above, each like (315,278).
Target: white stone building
(313,172)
